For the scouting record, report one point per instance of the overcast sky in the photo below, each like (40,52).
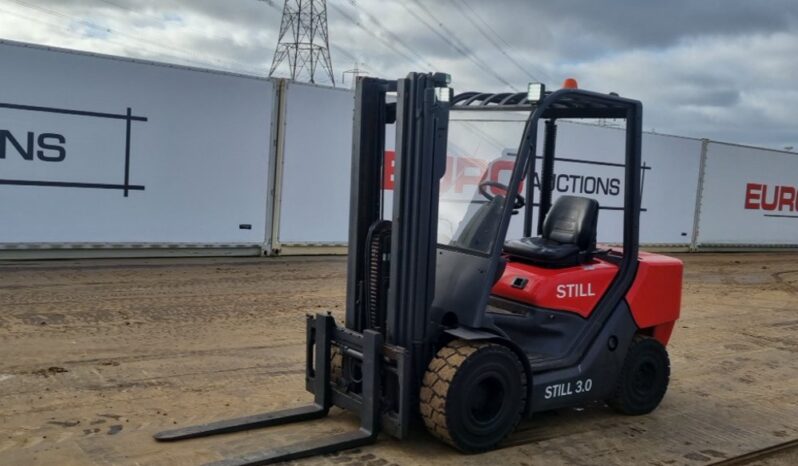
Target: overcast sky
(722,69)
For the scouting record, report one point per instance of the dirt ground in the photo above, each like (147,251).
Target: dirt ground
(96,356)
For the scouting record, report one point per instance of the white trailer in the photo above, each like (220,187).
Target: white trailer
(749,198)
(103,156)
(105,153)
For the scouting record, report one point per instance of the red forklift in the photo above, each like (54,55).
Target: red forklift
(465,330)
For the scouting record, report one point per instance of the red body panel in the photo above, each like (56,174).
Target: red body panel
(656,294)
(654,298)
(575,289)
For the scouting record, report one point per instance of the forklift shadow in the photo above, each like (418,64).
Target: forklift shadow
(421,447)
(563,422)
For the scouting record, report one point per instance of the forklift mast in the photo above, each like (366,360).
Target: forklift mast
(390,283)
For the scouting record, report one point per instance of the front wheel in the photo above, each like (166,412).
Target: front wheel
(473,394)
(644,377)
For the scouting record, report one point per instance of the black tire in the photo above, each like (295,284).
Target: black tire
(644,377)
(473,394)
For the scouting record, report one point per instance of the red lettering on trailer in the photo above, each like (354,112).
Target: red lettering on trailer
(495,169)
(446,181)
(468,171)
(460,172)
(769,205)
(752,195)
(787,198)
(776,197)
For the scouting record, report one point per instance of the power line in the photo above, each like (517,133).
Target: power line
(489,38)
(355,72)
(487,24)
(65,28)
(35,20)
(495,33)
(112,41)
(357,23)
(487,137)
(463,50)
(131,10)
(460,42)
(390,34)
(270,3)
(348,54)
(134,11)
(160,19)
(139,40)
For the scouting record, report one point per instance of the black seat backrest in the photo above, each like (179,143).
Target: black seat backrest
(573,220)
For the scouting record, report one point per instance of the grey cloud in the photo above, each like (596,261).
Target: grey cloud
(640,23)
(708,68)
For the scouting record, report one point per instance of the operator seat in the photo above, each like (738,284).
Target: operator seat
(569,235)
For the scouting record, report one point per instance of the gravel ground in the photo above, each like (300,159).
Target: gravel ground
(99,355)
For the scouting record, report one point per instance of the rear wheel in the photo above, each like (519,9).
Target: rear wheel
(473,394)
(644,377)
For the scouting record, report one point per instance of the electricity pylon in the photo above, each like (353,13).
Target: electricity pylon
(304,41)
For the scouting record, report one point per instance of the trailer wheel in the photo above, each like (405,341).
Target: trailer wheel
(473,394)
(644,377)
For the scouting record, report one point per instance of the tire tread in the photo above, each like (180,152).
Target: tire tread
(438,379)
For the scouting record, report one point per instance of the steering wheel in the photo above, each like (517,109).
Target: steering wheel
(519,199)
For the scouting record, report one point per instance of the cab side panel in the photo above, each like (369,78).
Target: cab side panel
(596,375)
(573,289)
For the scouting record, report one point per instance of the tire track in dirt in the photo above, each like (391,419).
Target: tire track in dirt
(161,356)
(790,285)
(151,345)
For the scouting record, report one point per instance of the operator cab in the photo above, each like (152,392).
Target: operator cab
(549,291)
